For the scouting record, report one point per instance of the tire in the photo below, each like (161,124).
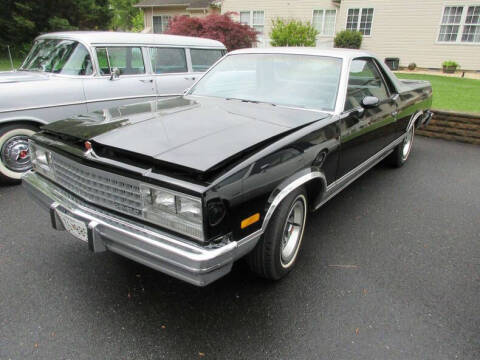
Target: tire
(402,151)
(13,139)
(274,256)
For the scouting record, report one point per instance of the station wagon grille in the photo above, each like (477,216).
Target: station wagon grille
(100,187)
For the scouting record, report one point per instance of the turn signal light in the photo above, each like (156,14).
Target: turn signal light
(250,220)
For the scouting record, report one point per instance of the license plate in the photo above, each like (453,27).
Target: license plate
(75,227)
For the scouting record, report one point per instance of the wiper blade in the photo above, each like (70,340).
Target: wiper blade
(252,101)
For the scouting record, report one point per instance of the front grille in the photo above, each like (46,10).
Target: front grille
(100,187)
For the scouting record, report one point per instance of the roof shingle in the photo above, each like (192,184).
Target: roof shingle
(196,4)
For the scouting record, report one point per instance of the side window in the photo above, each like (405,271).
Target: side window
(168,60)
(128,60)
(364,80)
(202,59)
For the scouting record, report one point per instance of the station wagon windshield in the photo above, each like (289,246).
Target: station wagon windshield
(282,79)
(58,56)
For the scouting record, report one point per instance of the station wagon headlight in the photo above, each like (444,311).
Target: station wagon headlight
(174,211)
(41,160)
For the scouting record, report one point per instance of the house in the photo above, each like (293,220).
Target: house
(425,32)
(157,13)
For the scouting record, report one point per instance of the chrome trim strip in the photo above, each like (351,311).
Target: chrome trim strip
(83,102)
(340,184)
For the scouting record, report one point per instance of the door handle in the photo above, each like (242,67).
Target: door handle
(147,81)
(190,78)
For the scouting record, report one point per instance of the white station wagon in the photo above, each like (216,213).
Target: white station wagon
(71,73)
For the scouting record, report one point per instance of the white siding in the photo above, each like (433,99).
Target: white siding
(298,9)
(408,29)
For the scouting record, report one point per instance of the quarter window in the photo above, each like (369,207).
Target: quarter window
(168,60)
(360,20)
(160,23)
(460,24)
(364,80)
(128,60)
(202,59)
(324,21)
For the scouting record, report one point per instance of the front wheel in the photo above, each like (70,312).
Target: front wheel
(276,252)
(14,155)
(402,151)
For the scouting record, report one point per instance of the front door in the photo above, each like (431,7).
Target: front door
(133,84)
(365,131)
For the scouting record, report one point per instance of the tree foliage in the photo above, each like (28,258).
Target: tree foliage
(292,33)
(218,27)
(125,16)
(348,39)
(22,20)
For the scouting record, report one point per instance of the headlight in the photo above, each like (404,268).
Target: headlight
(41,160)
(178,212)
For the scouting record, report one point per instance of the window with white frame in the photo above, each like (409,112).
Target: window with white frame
(460,24)
(255,19)
(160,23)
(360,20)
(324,21)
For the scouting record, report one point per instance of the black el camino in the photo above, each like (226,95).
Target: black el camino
(188,185)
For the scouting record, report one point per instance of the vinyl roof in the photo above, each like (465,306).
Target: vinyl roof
(106,37)
(340,53)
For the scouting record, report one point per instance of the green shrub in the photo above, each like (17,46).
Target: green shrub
(348,39)
(292,33)
(450,63)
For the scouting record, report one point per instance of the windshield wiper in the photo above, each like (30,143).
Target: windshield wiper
(252,101)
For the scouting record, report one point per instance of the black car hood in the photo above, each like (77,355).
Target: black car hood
(193,132)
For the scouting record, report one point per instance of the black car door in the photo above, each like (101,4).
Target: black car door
(365,129)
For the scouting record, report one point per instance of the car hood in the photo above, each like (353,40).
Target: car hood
(193,132)
(21,76)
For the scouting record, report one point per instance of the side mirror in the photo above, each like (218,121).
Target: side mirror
(115,74)
(370,102)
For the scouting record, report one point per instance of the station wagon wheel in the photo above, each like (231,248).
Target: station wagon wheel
(277,250)
(14,155)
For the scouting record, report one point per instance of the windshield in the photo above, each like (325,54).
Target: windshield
(281,79)
(59,56)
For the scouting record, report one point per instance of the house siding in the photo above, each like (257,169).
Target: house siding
(297,9)
(406,29)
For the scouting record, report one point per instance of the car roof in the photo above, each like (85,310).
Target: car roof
(110,37)
(339,53)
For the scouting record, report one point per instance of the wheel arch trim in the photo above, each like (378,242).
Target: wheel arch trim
(287,186)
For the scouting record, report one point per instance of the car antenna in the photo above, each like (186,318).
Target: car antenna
(10,56)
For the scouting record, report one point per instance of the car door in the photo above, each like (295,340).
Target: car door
(365,129)
(170,70)
(203,59)
(131,84)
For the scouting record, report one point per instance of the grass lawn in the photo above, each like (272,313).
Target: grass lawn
(5,64)
(450,93)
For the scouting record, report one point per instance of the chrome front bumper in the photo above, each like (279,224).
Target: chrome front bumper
(172,255)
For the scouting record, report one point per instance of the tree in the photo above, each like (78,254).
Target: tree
(22,21)
(292,33)
(126,17)
(218,27)
(348,39)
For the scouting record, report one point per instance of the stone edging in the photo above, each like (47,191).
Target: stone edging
(454,126)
